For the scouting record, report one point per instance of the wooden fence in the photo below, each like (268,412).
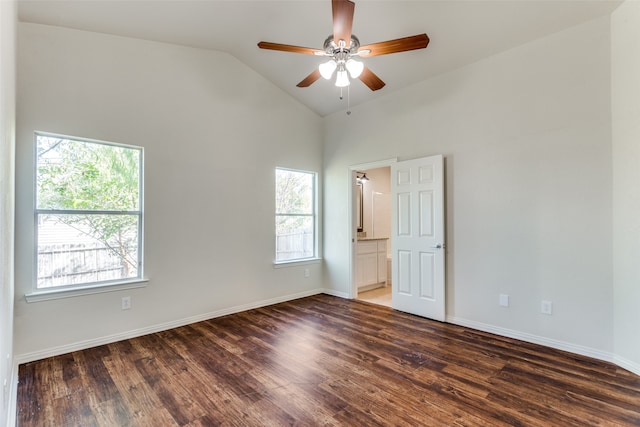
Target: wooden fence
(68,264)
(294,245)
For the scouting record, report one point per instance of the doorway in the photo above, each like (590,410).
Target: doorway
(415,238)
(372,279)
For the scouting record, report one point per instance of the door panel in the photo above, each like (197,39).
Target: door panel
(426,174)
(418,281)
(404,214)
(426,210)
(427,278)
(403,277)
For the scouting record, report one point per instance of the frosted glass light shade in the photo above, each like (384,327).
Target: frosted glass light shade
(355,68)
(327,68)
(342,79)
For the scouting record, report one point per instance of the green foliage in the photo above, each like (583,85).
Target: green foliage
(77,175)
(294,195)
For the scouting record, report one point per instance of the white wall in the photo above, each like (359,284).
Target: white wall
(212,130)
(7,143)
(527,143)
(625,79)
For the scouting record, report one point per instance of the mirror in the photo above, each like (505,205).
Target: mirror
(359,206)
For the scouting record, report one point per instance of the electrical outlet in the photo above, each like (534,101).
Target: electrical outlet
(504,300)
(307,273)
(126,303)
(546,307)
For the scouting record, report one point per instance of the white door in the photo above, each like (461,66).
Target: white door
(417,240)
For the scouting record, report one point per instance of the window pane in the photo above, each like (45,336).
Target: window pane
(295,215)
(294,192)
(74,249)
(294,237)
(82,175)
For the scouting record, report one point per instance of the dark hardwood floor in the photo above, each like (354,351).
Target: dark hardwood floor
(325,361)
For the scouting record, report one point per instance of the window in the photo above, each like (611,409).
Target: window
(88,212)
(295,215)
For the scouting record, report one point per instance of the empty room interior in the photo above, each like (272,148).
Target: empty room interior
(221,213)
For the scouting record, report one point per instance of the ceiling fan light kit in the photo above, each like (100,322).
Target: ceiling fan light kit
(341,59)
(354,67)
(341,55)
(327,68)
(342,80)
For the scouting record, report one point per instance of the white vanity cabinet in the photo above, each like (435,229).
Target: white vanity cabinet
(371,263)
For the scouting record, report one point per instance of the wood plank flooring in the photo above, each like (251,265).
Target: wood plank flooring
(324,361)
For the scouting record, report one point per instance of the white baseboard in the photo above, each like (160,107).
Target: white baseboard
(82,345)
(335,293)
(535,339)
(627,364)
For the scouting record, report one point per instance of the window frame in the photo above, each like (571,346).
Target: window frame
(63,291)
(314,216)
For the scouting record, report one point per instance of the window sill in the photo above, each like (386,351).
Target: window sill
(45,295)
(297,262)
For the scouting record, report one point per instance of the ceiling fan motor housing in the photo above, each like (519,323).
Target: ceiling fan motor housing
(333,49)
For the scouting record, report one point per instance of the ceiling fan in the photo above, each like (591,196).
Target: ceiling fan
(342,47)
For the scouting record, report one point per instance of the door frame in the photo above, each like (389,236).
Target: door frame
(352,220)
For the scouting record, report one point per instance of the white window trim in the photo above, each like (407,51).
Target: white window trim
(68,291)
(296,262)
(47,294)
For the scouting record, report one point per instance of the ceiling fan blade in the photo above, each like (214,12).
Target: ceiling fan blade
(371,80)
(289,48)
(310,79)
(342,20)
(404,44)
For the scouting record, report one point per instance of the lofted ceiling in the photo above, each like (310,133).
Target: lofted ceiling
(461,32)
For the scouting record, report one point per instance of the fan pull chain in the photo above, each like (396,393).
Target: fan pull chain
(348,99)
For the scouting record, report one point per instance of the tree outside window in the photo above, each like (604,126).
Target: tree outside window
(88,211)
(295,215)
